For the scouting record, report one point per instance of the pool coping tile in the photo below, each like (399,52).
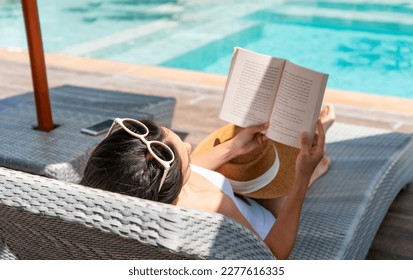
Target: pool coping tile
(369,101)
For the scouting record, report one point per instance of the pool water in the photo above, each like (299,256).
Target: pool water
(365,46)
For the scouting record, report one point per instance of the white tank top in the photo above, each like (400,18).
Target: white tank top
(259,218)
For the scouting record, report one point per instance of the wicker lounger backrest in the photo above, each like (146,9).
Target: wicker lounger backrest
(42,218)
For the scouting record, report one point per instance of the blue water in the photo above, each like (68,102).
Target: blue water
(364,46)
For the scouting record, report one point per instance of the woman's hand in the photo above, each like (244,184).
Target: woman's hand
(311,152)
(248,139)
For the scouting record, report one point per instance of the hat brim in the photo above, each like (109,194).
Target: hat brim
(255,163)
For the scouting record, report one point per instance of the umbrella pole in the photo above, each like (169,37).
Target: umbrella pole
(38,65)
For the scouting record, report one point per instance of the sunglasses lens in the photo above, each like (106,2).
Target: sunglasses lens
(163,152)
(135,127)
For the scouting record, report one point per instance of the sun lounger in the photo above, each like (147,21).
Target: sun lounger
(62,153)
(344,209)
(42,218)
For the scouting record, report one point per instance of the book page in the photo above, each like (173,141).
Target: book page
(297,106)
(250,89)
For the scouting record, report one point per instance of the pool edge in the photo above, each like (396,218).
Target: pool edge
(368,101)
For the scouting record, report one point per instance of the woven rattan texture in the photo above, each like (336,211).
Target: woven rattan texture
(42,218)
(62,153)
(5,253)
(344,208)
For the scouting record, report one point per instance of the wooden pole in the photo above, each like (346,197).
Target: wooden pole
(38,65)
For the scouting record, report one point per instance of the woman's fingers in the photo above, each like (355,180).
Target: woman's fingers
(315,145)
(253,132)
(304,142)
(321,138)
(257,128)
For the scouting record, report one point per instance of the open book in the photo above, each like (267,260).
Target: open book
(262,88)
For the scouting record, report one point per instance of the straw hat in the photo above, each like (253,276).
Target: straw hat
(266,172)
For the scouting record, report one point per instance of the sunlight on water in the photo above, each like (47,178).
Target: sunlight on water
(365,46)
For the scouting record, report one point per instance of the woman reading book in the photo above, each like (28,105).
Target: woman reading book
(143,159)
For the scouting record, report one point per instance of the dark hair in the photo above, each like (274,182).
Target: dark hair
(122,163)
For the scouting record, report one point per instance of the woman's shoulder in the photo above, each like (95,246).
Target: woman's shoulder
(201,198)
(200,193)
(205,192)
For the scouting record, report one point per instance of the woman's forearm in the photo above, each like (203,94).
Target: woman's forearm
(215,157)
(282,236)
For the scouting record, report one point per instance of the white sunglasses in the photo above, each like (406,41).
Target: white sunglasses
(159,150)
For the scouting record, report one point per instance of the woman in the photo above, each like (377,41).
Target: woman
(145,160)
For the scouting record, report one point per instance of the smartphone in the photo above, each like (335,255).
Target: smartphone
(98,128)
